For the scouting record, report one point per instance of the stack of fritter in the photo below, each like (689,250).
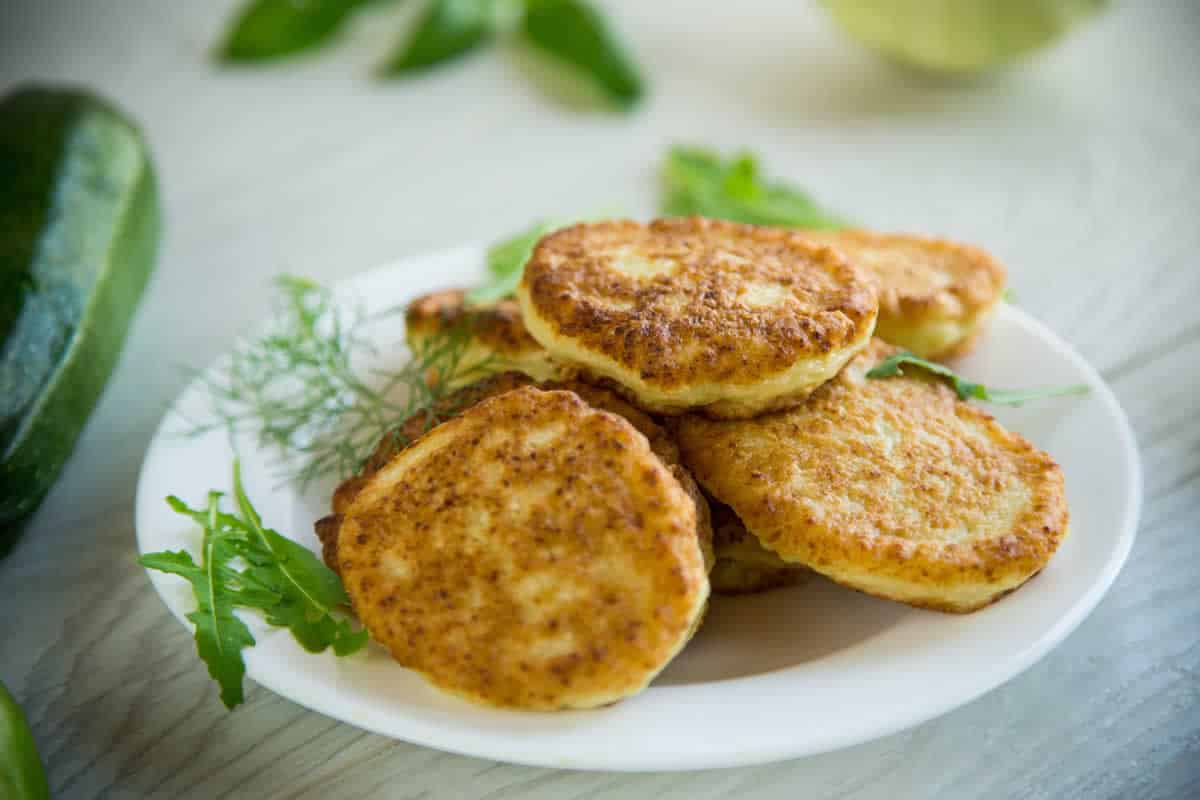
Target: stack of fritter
(547,546)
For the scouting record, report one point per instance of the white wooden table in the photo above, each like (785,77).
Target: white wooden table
(1080,171)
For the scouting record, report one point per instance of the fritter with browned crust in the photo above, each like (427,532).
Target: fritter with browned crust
(697,314)
(743,565)
(531,553)
(494,338)
(662,443)
(892,486)
(935,296)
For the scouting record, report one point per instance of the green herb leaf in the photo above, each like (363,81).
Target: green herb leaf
(220,635)
(506,263)
(281,578)
(700,182)
(448,30)
(1009,296)
(295,387)
(308,589)
(270,29)
(966,389)
(574,35)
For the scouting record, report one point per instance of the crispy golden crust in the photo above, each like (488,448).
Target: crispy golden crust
(415,427)
(892,486)
(743,565)
(695,313)
(498,338)
(530,553)
(934,294)
(662,443)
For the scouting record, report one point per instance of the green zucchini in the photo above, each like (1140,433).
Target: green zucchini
(79,222)
(21,774)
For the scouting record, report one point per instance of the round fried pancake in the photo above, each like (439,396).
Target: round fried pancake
(893,486)
(495,336)
(662,443)
(935,296)
(697,314)
(743,565)
(532,552)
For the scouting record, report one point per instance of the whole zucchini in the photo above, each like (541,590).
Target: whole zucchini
(79,223)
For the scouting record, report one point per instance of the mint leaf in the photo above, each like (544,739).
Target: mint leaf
(573,34)
(269,29)
(448,30)
(699,182)
(967,389)
(506,263)
(246,565)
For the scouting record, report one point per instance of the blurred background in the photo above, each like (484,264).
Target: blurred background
(1077,166)
(1067,165)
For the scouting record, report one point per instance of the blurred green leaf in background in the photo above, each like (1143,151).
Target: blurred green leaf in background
(448,30)
(701,182)
(576,39)
(574,42)
(270,29)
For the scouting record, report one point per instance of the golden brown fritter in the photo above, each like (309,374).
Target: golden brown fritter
(532,552)
(697,314)
(935,296)
(496,337)
(662,443)
(743,565)
(893,486)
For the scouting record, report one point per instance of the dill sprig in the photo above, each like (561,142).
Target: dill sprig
(296,387)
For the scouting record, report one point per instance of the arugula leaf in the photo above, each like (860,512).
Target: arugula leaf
(700,182)
(449,29)
(966,389)
(572,33)
(506,263)
(269,29)
(282,579)
(220,635)
(309,589)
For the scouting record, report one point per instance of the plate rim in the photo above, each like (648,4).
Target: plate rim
(504,750)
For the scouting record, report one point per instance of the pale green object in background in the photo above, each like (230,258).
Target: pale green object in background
(960,36)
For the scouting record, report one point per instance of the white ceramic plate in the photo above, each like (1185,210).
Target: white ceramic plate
(788,673)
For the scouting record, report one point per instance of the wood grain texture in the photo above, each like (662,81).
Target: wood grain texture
(1080,171)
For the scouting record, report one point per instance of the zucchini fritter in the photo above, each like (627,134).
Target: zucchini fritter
(743,565)
(662,443)
(892,486)
(697,314)
(531,553)
(935,296)
(497,340)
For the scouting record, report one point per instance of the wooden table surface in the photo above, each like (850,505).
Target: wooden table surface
(1080,171)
